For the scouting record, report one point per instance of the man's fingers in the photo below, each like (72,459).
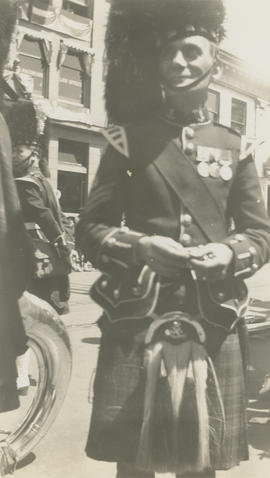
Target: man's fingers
(172,263)
(206,264)
(170,251)
(197,252)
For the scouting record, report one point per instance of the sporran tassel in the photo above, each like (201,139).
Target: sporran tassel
(152,365)
(199,363)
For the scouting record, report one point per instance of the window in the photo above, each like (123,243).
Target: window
(239,116)
(83,8)
(72,78)
(213,104)
(32,63)
(73,152)
(72,174)
(73,188)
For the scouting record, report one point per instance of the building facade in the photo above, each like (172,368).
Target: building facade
(240,99)
(58,54)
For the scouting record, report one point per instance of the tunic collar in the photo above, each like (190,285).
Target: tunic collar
(198,116)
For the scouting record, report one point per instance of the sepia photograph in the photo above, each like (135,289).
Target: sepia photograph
(135,238)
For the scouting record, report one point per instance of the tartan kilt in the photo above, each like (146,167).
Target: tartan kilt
(119,394)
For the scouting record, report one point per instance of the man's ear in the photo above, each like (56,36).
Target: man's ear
(217,70)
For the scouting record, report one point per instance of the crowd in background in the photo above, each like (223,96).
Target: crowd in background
(78,261)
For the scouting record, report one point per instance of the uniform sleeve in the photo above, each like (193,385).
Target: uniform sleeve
(99,234)
(251,240)
(35,210)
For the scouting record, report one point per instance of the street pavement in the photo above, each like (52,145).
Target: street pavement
(60,454)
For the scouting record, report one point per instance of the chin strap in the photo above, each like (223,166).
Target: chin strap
(190,85)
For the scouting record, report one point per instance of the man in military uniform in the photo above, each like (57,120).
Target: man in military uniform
(175,221)
(40,208)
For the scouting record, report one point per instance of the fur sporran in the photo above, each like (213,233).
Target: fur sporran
(182,420)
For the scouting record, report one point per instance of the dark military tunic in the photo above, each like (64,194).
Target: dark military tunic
(165,178)
(39,206)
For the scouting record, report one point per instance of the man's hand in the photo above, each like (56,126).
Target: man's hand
(164,255)
(62,249)
(211,261)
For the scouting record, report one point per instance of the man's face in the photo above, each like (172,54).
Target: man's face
(22,151)
(185,60)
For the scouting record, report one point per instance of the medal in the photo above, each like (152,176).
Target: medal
(202,154)
(214,170)
(225,172)
(214,162)
(203,169)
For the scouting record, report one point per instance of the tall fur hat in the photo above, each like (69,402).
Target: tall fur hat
(22,121)
(135,33)
(27,124)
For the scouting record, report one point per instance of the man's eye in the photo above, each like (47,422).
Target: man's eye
(191,52)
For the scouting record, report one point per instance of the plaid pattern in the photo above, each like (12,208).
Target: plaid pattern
(229,369)
(118,403)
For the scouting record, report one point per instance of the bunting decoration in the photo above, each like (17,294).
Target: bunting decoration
(51,14)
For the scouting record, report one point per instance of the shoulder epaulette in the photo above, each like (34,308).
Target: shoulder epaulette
(117,137)
(248,147)
(27,179)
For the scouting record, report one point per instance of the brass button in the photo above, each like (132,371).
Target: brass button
(190,148)
(255,267)
(186,240)
(104,284)
(189,133)
(221,295)
(186,220)
(252,251)
(136,291)
(116,294)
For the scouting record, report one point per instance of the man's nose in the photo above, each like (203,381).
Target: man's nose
(179,59)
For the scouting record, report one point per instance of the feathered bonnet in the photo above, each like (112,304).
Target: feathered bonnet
(26,122)
(136,31)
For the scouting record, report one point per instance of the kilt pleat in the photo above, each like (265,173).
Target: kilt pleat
(230,372)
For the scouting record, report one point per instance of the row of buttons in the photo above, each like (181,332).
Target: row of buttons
(188,133)
(186,221)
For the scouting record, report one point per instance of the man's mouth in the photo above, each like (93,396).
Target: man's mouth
(180,79)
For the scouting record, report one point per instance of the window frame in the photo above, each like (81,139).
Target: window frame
(75,168)
(83,181)
(85,81)
(234,124)
(217,94)
(44,65)
(79,8)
